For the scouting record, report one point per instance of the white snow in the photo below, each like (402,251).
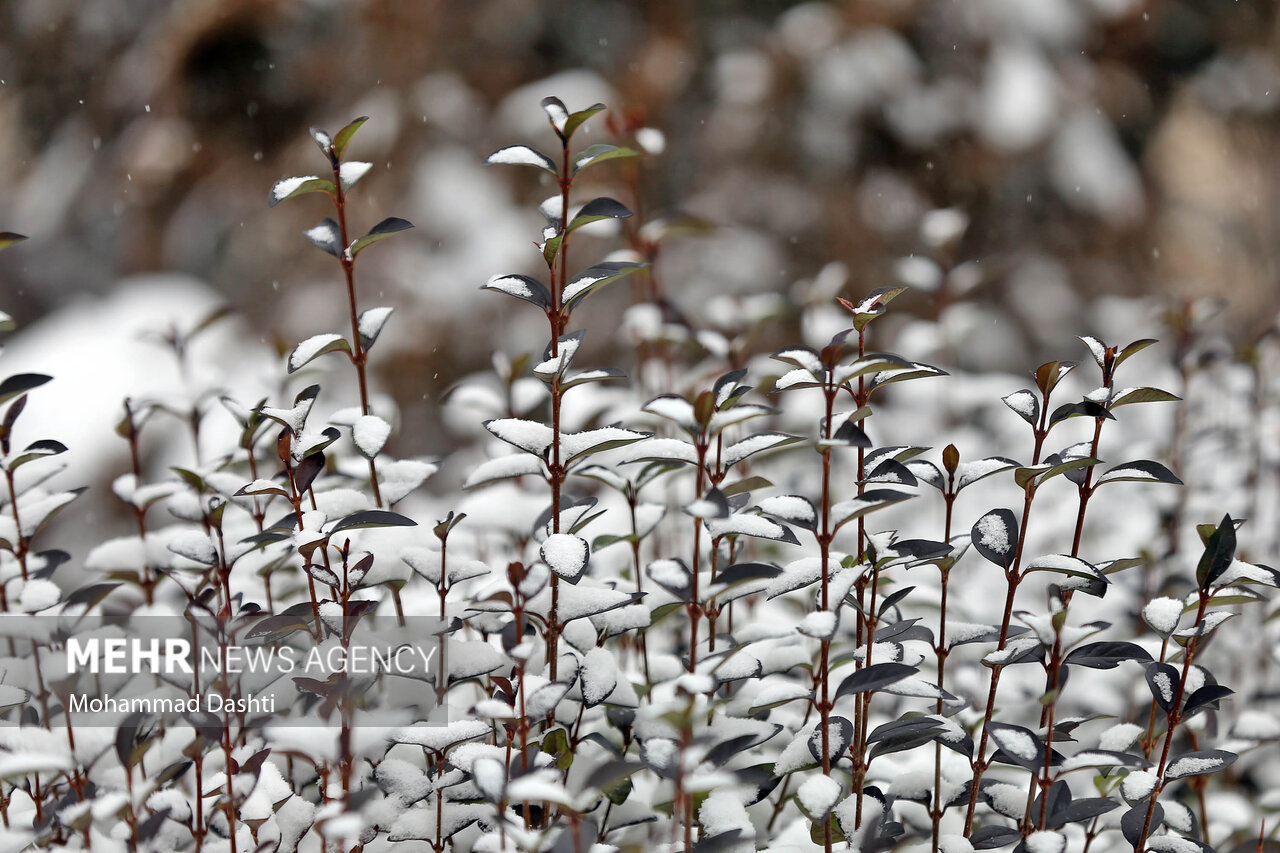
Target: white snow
(510,285)
(1008,800)
(818,794)
(38,594)
(1046,841)
(675,409)
(1138,785)
(954,844)
(599,675)
(502,467)
(370,433)
(352,171)
(790,507)
(1016,743)
(565,554)
(282,189)
(1162,614)
(821,624)
(520,155)
(372,321)
(994,535)
(1119,737)
(312,347)
(1164,683)
(1190,766)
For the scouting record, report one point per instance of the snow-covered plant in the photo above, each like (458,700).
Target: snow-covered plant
(730,606)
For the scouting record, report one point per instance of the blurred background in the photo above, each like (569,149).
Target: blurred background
(1077,149)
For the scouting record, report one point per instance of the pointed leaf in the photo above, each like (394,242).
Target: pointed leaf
(381,231)
(292,187)
(522,155)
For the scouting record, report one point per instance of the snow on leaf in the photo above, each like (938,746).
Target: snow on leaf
(673,408)
(529,436)
(352,171)
(1162,614)
(370,325)
(1046,841)
(521,155)
(18,765)
(740,450)
(399,477)
(566,555)
(290,187)
(1196,763)
(582,600)
(747,524)
(578,444)
(598,677)
(38,594)
(791,508)
(370,434)
(663,450)
(505,467)
(1025,404)
(316,346)
(521,287)
(1138,785)
(818,795)
(995,537)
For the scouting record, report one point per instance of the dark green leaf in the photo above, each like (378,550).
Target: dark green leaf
(343,137)
(995,536)
(598,153)
(292,187)
(597,210)
(373,518)
(381,231)
(21,383)
(874,677)
(521,287)
(8,238)
(1218,553)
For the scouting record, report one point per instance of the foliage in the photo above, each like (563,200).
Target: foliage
(738,602)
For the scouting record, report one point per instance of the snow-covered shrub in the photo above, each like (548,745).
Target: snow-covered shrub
(780,602)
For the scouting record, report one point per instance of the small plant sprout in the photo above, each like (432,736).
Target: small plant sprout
(369,431)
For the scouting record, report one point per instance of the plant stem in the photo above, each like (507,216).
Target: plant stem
(359,357)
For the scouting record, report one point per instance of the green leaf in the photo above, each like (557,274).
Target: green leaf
(749,484)
(872,305)
(596,278)
(596,210)
(522,155)
(1141,471)
(292,187)
(8,238)
(37,450)
(598,153)
(343,137)
(1050,374)
(1038,474)
(381,231)
(21,383)
(373,518)
(1133,349)
(1142,395)
(316,346)
(574,120)
(1218,553)
(325,236)
(521,287)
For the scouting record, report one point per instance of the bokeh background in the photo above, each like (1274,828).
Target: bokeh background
(1096,148)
